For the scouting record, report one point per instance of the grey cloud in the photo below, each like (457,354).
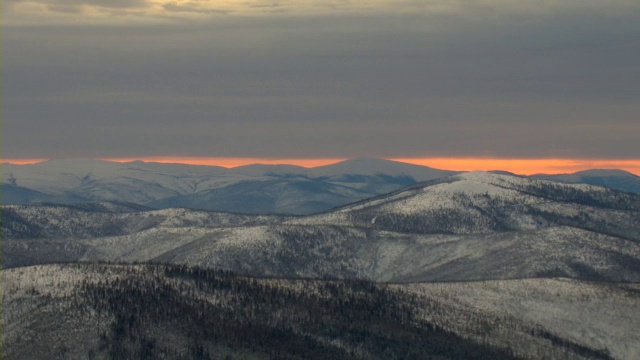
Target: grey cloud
(191,7)
(326,86)
(269,5)
(112,3)
(76,5)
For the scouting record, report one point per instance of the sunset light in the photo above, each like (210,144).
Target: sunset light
(517,166)
(526,166)
(229,162)
(379,179)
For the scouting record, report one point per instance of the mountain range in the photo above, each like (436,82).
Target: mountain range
(263,189)
(472,226)
(469,265)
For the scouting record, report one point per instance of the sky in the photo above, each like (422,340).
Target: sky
(519,80)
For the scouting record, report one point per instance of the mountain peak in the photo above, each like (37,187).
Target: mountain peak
(375,166)
(488,177)
(612,178)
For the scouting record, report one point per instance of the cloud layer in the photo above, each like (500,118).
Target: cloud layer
(126,78)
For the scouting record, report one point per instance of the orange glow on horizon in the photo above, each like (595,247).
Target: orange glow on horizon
(22,161)
(526,166)
(518,166)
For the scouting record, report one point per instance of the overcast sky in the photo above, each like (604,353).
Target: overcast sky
(317,79)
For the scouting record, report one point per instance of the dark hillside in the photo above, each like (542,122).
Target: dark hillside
(102,311)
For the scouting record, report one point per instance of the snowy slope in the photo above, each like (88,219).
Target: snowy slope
(615,179)
(66,174)
(466,227)
(597,315)
(253,188)
(250,189)
(481,202)
(544,269)
(373,166)
(73,311)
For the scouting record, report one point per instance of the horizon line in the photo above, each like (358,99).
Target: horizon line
(521,166)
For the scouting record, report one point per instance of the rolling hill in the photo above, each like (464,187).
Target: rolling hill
(145,311)
(473,226)
(253,188)
(474,265)
(615,179)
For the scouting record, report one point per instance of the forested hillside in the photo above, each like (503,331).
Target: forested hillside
(166,311)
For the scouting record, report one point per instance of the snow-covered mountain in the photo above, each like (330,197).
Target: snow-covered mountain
(471,226)
(482,202)
(475,264)
(615,179)
(284,189)
(253,188)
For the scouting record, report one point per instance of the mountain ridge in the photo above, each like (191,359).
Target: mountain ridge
(469,226)
(284,189)
(171,185)
(98,310)
(476,264)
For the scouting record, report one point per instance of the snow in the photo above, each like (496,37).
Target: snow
(373,166)
(247,237)
(143,183)
(442,196)
(261,170)
(593,314)
(58,176)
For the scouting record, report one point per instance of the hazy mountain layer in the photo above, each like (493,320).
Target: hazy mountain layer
(615,179)
(254,188)
(284,189)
